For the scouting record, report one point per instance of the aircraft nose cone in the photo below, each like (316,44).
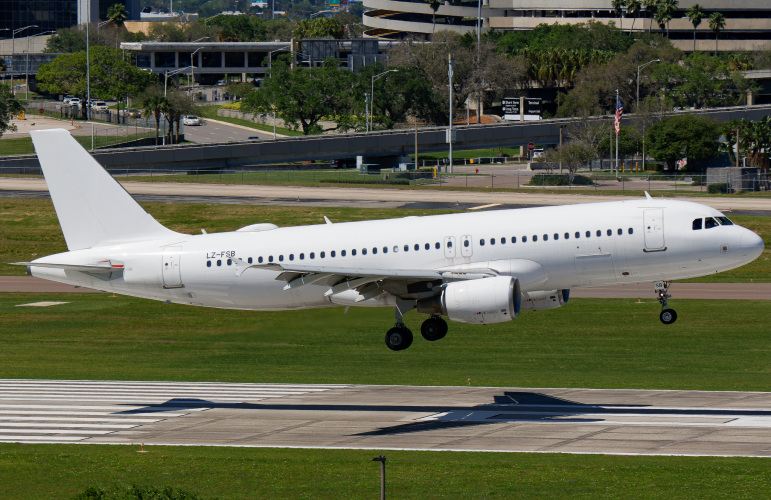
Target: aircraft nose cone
(751,244)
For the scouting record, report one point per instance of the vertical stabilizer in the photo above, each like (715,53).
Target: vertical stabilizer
(93,208)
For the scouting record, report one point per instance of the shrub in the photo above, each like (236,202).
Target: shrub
(719,188)
(559,180)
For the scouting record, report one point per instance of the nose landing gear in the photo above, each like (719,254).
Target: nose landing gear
(667,316)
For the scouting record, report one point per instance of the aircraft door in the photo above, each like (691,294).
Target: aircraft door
(654,229)
(172,273)
(449,247)
(466,247)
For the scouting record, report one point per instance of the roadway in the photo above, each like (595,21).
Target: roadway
(170,191)
(216,131)
(339,416)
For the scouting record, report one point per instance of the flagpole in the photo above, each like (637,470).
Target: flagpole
(618,128)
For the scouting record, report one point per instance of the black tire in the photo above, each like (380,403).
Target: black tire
(668,316)
(434,328)
(398,338)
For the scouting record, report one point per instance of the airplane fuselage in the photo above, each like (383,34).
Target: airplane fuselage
(548,248)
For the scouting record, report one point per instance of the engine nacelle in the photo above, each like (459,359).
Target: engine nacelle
(545,299)
(480,301)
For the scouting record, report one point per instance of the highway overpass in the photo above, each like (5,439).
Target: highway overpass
(373,145)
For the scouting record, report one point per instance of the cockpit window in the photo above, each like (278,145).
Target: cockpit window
(696,224)
(710,222)
(725,221)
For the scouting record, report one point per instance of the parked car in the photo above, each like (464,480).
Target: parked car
(220,82)
(191,120)
(134,113)
(99,106)
(75,101)
(67,99)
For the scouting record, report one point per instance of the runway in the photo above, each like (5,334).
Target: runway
(482,419)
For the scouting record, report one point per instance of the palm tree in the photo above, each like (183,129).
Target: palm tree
(651,7)
(633,7)
(117,13)
(695,14)
(716,24)
(666,11)
(434,4)
(156,105)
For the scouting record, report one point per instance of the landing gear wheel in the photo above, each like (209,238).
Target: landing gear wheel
(668,316)
(398,338)
(434,328)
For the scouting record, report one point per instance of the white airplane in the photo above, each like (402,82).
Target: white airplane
(476,268)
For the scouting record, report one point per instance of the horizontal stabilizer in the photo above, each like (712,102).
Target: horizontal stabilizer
(101,267)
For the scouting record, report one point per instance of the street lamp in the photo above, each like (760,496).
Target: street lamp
(13,50)
(372,97)
(638,105)
(26,72)
(192,75)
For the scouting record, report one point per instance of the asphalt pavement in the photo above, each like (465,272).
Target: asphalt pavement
(339,416)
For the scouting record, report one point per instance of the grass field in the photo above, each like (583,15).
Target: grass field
(23,145)
(61,471)
(592,343)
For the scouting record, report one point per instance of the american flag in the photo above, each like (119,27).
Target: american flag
(619,114)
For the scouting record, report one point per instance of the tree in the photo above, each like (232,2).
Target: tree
(695,14)
(665,10)
(618,6)
(716,24)
(8,106)
(321,27)
(651,7)
(434,4)
(573,155)
(683,136)
(178,104)
(111,76)
(633,7)
(754,141)
(701,80)
(399,93)
(303,96)
(499,72)
(117,13)
(154,103)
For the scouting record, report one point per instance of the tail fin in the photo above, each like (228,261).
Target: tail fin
(93,209)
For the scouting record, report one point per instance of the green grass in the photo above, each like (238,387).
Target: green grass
(30,228)
(210,111)
(61,471)
(588,343)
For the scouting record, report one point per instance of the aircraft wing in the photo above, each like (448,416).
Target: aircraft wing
(368,282)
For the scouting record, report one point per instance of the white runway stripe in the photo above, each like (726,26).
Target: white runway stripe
(59,410)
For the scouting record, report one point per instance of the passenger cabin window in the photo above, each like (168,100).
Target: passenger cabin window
(503,240)
(620,231)
(482,242)
(709,223)
(610,232)
(513,239)
(545,237)
(466,243)
(524,239)
(588,234)
(406,248)
(535,237)
(599,233)
(696,224)
(437,245)
(630,230)
(249,260)
(428,246)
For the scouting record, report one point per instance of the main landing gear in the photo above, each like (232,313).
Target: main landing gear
(667,316)
(399,337)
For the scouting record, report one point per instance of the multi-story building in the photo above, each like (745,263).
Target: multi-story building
(55,14)
(747,23)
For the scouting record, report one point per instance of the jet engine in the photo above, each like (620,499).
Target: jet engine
(545,299)
(480,301)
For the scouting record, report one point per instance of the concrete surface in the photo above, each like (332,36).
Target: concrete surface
(386,195)
(629,422)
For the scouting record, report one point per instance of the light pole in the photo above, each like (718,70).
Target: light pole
(192,65)
(165,83)
(450,71)
(26,72)
(6,69)
(372,97)
(638,105)
(13,50)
